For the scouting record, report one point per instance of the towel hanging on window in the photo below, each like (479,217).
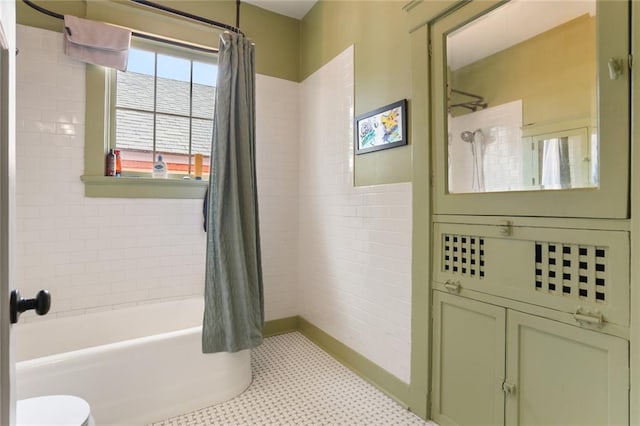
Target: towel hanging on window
(96,42)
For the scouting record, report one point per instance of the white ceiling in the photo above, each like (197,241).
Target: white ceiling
(293,8)
(509,25)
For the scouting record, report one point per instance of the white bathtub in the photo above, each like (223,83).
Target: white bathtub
(133,365)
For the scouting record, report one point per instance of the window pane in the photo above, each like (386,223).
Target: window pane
(201,136)
(204,92)
(203,99)
(173,85)
(205,74)
(134,130)
(141,62)
(134,90)
(172,134)
(136,161)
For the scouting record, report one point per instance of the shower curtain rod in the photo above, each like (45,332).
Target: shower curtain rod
(164,9)
(478,102)
(193,17)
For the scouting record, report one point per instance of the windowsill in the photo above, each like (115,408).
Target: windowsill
(142,187)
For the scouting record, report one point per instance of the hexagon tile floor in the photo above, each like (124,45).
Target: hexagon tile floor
(297,383)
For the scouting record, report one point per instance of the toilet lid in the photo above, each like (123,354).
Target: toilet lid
(52,410)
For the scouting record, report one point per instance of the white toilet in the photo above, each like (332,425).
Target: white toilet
(53,410)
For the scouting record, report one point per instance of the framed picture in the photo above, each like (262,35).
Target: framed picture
(382,128)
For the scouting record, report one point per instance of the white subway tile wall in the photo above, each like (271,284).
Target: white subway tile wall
(95,254)
(277,127)
(355,242)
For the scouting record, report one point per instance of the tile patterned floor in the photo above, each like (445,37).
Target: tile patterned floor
(297,383)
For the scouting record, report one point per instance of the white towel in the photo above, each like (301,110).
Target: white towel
(96,42)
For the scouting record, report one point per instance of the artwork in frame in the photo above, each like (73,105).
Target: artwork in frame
(381,128)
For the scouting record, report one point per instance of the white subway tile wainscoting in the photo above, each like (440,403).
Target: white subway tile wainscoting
(355,242)
(297,383)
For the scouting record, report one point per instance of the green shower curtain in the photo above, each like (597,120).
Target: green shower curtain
(234,303)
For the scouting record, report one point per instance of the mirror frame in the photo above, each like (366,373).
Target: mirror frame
(611,198)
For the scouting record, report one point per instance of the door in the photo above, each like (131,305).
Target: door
(564,375)
(468,369)
(7,204)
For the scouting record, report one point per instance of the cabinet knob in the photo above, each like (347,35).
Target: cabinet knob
(509,388)
(615,68)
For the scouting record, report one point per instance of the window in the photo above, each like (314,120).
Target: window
(163,104)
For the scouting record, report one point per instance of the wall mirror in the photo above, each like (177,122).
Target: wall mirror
(522,70)
(519,87)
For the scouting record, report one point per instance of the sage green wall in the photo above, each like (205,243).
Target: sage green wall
(378,31)
(276,36)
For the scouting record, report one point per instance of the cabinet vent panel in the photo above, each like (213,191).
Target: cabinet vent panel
(463,255)
(574,271)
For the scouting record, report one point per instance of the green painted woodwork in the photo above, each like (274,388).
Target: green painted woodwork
(128,187)
(100,129)
(610,200)
(635,226)
(507,266)
(421,237)
(469,361)
(96,128)
(377,376)
(564,375)
(280,326)
(382,69)
(557,374)
(276,36)
(418,14)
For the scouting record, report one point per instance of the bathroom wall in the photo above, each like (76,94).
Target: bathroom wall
(378,32)
(101,253)
(355,242)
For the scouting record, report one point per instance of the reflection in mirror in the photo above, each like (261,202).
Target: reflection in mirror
(522,99)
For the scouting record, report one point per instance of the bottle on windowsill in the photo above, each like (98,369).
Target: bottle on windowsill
(111,164)
(118,163)
(159,168)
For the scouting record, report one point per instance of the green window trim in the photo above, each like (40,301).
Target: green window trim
(142,187)
(100,136)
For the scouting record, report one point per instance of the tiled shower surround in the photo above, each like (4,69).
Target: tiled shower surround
(99,253)
(338,256)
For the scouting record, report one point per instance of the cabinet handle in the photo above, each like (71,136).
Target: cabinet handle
(452,287)
(506,228)
(592,319)
(509,388)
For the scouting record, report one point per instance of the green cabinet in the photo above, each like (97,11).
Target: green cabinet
(468,362)
(564,375)
(494,366)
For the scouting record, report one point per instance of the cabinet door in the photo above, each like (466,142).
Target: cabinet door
(564,375)
(469,358)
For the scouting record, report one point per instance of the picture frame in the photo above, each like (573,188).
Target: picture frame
(382,128)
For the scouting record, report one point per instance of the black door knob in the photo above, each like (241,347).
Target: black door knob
(18,305)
